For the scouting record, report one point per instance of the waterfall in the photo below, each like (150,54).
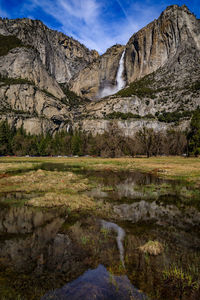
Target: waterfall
(120,82)
(120,237)
(68,128)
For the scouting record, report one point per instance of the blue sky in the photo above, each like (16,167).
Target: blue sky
(98,24)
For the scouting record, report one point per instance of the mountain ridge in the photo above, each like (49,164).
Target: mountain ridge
(161,69)
(149,48)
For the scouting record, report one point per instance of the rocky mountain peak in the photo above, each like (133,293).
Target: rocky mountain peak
(175,7)
(156,73)
(152,46)
(147,50)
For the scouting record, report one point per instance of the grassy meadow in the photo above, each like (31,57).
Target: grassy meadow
(56,187)
(172,167)
(159,259)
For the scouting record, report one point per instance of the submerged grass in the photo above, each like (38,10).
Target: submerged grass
(52,189)
(64,185)
(57,188)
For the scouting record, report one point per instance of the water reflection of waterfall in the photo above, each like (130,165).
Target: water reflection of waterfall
(120,236)
(120,82)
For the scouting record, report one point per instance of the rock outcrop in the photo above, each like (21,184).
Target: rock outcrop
(161,70)
(99,74)
(127,128)
(161,42)
(152,47)
(62,56)
(25,105)
(25,63)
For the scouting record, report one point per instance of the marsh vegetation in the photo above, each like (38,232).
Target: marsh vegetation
(51,233)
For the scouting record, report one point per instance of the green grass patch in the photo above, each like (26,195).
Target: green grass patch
(126,116)
(123,116)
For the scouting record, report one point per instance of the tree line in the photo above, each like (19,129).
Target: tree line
(110,144)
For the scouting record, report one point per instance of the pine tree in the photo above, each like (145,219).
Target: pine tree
(5,138)
(76,144)
(194,134)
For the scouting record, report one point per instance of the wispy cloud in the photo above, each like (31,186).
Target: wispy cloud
(123,9)
(87,10)
(84,20)
(98,24)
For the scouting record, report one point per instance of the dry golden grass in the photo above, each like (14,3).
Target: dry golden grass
(152,248)
(16,166)
(172,167)
(65,188)
(53,188)
(44,181)
(57,188)
(74,202)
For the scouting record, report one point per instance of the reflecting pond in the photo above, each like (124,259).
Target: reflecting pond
(55,254)
(97,284)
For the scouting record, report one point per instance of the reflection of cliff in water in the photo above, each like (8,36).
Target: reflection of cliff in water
(124,184)
(29,239)
(48,248)
(97,284)
(158,212)
(25,219)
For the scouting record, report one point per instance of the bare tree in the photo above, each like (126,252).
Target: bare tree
(147,139)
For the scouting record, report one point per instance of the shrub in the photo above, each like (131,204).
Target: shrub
(72,99)
(122,116)
(139,88)
(175,116)
(8,80)
(196,86)
(9,42)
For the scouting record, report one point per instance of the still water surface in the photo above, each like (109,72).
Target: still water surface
(50,254)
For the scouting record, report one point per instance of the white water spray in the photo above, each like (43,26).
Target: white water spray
(120,82)
(120,237)
(68,127)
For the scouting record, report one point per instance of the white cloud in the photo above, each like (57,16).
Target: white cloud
(86,10)
(85,21)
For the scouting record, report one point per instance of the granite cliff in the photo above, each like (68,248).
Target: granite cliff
(34,62)
(99,74)
(159,43)
(161,69)
(62,56)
